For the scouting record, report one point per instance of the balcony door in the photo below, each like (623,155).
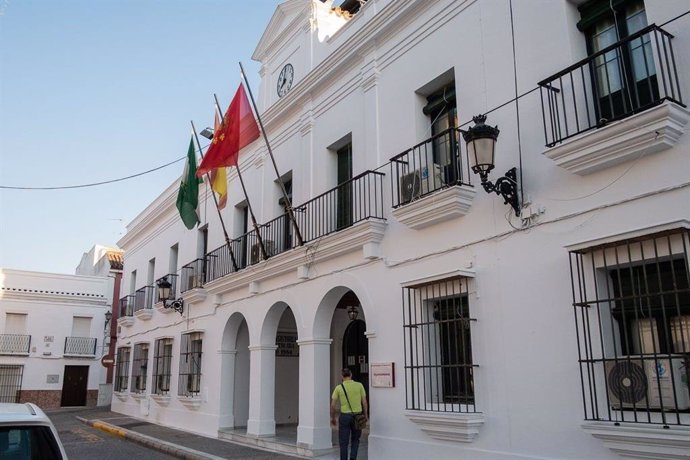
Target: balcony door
(442,111)
(344,193)
(624,78)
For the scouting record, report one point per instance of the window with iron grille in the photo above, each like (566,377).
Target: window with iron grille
(122,369)
(10,383)
(140,363)
(632,310)
(438,346)
(162,361)
(190,364)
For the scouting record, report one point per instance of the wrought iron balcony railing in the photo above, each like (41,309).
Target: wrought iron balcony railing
(623,79)
(127,306)
(143,298)
(80,346)
(14,344)
(172,279)
(353,201)
(431,165)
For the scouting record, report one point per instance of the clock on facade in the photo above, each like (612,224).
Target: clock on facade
(285,80)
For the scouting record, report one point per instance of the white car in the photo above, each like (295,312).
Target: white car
(26,433)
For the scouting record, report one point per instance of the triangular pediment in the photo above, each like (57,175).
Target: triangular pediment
(288,16)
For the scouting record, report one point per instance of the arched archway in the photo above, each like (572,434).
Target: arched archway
(234,381)
(274,380)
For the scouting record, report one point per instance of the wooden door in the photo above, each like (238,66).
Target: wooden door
(74,386)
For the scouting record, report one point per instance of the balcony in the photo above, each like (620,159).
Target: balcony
(126,311)
(143,302)
(80,347)
(431,181)
(618,104)
(15,344)
(338,210)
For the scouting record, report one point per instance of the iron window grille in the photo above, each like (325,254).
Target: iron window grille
(439,371)
(162,360)
(140,362)
(190,364)
(631,302)
(11,383)
(122,369)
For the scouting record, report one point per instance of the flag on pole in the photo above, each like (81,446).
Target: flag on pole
(219,177)
(237,130)
(188,196)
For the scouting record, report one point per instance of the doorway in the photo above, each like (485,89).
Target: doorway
(74,386)
(356,352)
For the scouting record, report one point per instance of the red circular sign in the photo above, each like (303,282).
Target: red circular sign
(107,361)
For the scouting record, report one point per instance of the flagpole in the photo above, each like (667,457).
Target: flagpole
(291,214)
(249,205)
(215,200)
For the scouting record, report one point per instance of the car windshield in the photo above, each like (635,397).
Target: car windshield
(28,443)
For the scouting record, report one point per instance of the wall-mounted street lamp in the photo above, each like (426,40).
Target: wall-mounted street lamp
(165,295)
(108,317)
(481,149)
(352,312)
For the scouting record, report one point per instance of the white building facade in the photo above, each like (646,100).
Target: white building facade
(52,337)
(562,332)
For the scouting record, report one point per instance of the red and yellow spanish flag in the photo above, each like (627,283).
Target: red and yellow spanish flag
(219,177)
(237,130)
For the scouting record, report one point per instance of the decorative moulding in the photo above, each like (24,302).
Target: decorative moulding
(144,314)
(355,238)
(645,133)
(138,396)
(445,204)
(162,309)
(190,402)
(646,442)
(196,295)
(121,395)
(161,400)
(448,427)
(126,321)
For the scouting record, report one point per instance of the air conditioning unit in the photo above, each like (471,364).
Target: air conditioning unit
(634,382)
(256,255)
(419,183)
(194,281)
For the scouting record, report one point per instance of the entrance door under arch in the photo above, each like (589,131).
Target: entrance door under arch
(356,352)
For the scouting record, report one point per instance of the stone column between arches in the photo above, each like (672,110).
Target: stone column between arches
(262,370)
(227,414)
(314,429)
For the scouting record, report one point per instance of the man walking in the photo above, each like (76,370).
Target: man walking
(352,398)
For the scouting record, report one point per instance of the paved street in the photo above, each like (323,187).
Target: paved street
(84,442)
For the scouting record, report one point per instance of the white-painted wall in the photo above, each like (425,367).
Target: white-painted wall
(51,302)
(362,80)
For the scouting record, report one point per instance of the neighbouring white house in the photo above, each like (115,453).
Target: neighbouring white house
(51,337)
(106,262)
(522,293)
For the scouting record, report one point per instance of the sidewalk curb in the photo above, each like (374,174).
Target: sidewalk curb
(150,442)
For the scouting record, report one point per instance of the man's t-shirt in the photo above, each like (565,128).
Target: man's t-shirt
(356,393)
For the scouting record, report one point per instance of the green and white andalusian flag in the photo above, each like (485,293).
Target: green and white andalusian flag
(188,196)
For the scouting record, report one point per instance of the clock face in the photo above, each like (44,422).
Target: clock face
(285,80)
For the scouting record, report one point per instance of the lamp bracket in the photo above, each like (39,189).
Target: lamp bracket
(505,186)
(177,305)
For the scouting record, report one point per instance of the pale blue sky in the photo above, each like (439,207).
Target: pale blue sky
(94,90)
